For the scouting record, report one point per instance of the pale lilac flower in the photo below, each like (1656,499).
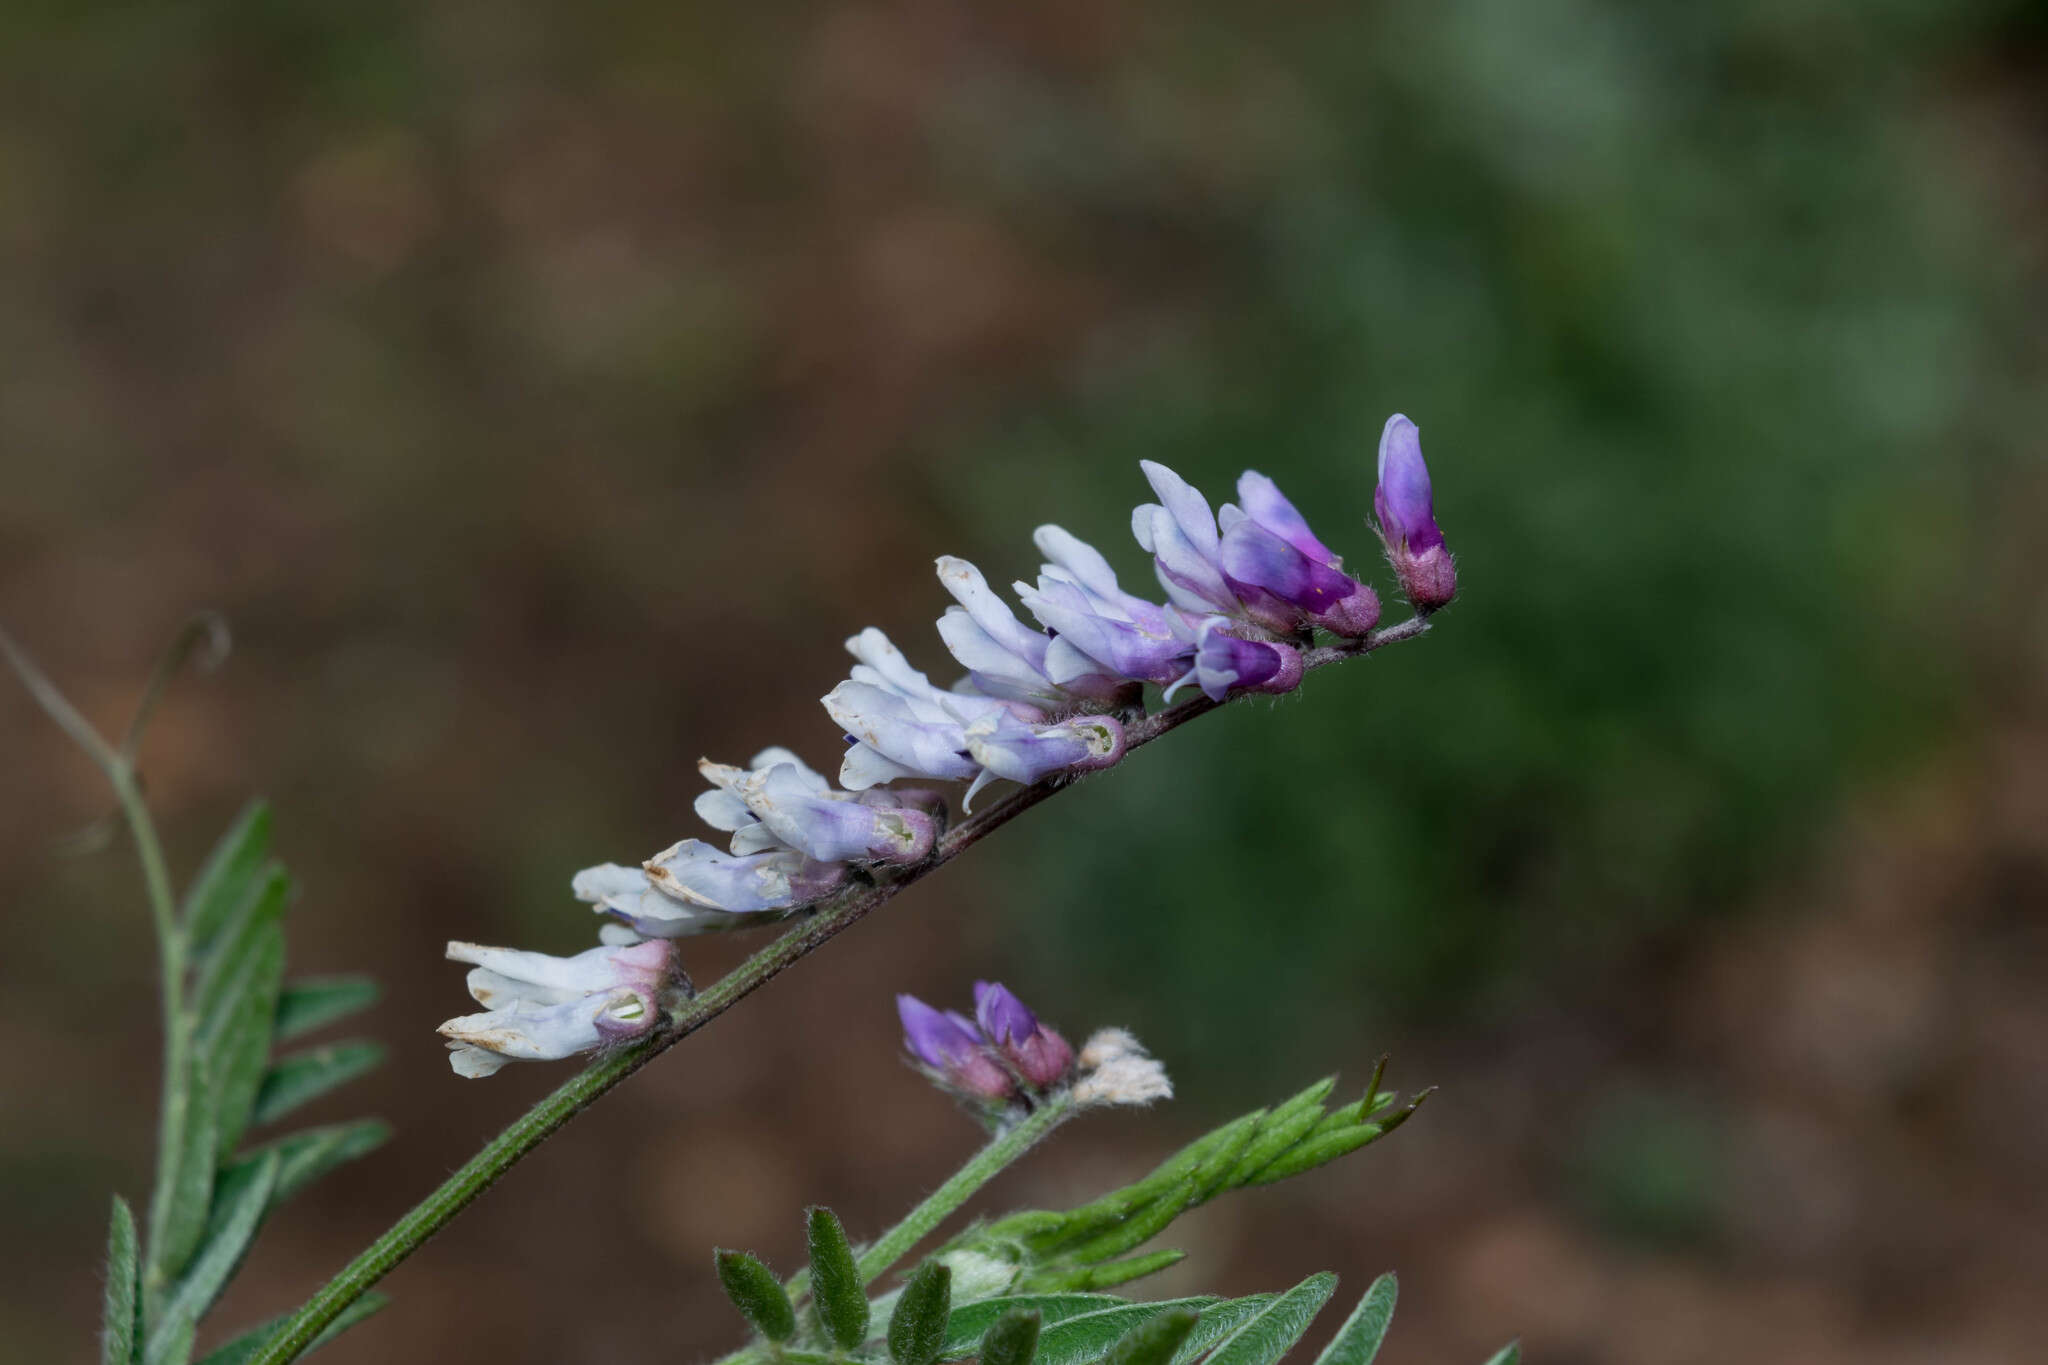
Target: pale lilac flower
(778,802)
(1097,626)
(1003,656)
(1006,747)
(1035,1051)
(1224,661)
(952,1052)
(693,888)
(543,1008)
(1405,506)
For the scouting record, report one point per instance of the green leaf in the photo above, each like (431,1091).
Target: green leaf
(1154,1341)
(313,1002)
(1142,1227)
(1219,1322)
(305,1076)
(1082,1339)
(1288,1124)
(223,882)
(917,1329)
(1510,1354)
(756,1292)
(305,1156)
(1358,1340)
(217,1261)
(1012,1339)
(971,1320)
(1272,1332)
(1104,1276)
(235,1037)
(176,1335)
(1318,1151)
(244,940)
(120,1319)
(243,1348)
(836,1292)
(184,1191)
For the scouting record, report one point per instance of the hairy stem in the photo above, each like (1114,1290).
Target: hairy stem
(819,926)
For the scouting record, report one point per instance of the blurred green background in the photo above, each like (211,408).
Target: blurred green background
(544,393)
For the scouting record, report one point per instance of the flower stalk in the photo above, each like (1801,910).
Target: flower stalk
(819,926)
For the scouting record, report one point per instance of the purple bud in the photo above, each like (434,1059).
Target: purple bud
(952,1052)
(1039,1054)
(1407,516)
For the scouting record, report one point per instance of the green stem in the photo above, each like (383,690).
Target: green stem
(821,925)
(987,1164)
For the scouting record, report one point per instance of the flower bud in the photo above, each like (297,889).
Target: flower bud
(1407,516)
(951,1051)
(1223,661)
(1038,1053)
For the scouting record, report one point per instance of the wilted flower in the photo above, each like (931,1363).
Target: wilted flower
(1116,1070)
(778,802)
(1259,562)
(1097,626)
(1007,747)
(543,1008)
(1405,506)
(1037,1053)
(691,888)
(1224,661)
(952,1052)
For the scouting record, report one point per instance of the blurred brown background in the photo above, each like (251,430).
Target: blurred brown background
(544,393)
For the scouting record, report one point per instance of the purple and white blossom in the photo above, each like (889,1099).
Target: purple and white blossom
(544,1008)
(1405,506)
(1008,659)
(692,888)
(1097,626)
(778,802)
(1259,563)
(1224,662)
(899,725)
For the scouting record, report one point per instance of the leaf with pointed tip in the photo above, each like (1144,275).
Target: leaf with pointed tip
(1510,1354)
(917,1329)
(1154,1341)
(756,1292)
(836,1291)
(303,1077)
(1081,1339)
(120,1319)
(1107,1275)
(1140,1228)
(243,1348)
(223,881)
(217,1260)
(184,1190)
(1358,1340)
(313,1002)
(971,1320)
(244,939)
(1012,1339)
(1272,1331)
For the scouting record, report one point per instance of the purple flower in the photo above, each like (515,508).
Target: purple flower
(952,1051)
(1003,656)
(900,724)
(543,1008)
(1268,545)
(1038,1053)
(1407,516)
(780,803)
(1259,563)
(1099,628)
(1224,661)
